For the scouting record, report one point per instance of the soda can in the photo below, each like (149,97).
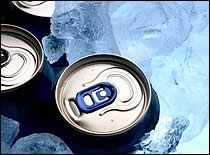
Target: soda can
(108,102)
(26,77)
(37,8)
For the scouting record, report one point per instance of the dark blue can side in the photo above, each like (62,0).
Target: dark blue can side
(30,103)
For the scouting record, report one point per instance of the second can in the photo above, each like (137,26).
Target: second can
(109,101)
(26,77)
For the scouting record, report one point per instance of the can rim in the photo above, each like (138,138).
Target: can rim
(37,15)
(102,134)
(39,68)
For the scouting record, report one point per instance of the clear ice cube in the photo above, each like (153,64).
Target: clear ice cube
(5,148)
(86,26)
(164,138)
(145,29)
(54,47)
(199,144)
(40,143)
(81,20)
(200,15)
(181,81)
(9,130)
(78,49)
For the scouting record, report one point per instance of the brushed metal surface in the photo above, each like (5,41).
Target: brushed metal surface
(25,56)
(130,105)
(37,8)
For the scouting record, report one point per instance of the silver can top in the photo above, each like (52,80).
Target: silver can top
(103,95)
(37,8)
(21,57)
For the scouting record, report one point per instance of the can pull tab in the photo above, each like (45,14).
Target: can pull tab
(91,99)
(96,97)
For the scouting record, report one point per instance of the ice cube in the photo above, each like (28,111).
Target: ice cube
(181,81)
(114,5)
(145,29)
(79,20)
(78,49)
(40,143)
(145,66)
(86,26)
(54,47)
(193,78)
(165,137)
(5,149)
(199,43)
(200,15)
(9,130)
(199,144)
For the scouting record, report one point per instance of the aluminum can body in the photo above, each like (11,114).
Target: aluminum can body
(108,102)
(26,77)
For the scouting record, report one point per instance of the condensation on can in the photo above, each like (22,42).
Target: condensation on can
(114,127)
(37,8)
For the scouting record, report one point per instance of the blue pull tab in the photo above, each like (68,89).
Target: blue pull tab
(96,97)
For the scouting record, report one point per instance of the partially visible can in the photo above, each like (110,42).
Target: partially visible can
(21,57)
(26,77)
(108,101)
(37,8)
